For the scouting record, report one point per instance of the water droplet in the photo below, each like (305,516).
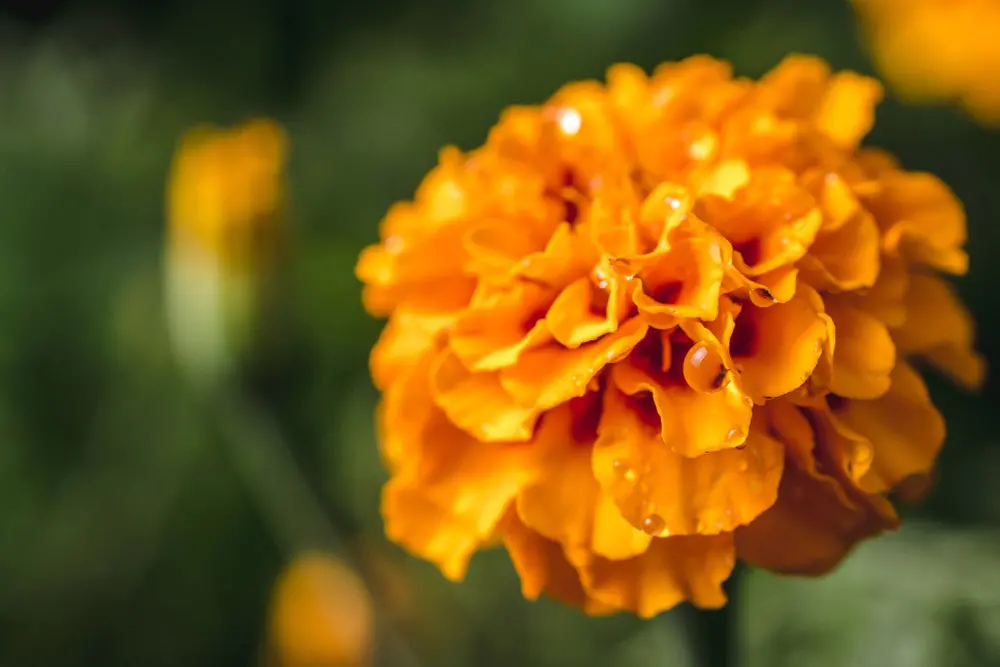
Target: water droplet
(655,525)
(704,369)
(698,354)
(735,435)
(672,202)
(623,470)
(570,121)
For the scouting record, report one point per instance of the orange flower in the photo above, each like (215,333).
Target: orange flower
(933,50)
(660,324)
(225,210)
(321,615)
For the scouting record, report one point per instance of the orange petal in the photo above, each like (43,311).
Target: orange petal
(673,570)
(795,86)
(939,328)
(406,413)
(494,248)
(921,218)
(423,272)
(844,258)
(566,504)
(448,500)
(809,529)
(477,402)
(560,504)
(551,375)
(664,493)
(904,427)
(865,354)
(886,299)
(847,111)
(778,347)
(575,317)
(771,221)
(693,420)
(682,282)
(406,337)
(614,538)
(567,257)
(543,568)
(500,324)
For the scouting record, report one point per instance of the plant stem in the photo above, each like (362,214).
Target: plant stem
(715,632)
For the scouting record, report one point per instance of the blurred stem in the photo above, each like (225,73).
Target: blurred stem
(284,497)
(715,632)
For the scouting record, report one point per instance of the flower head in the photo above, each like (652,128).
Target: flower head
(938,50)
(659,324)
(321,615)
(225,211)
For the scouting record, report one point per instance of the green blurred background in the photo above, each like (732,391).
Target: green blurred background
(127,534)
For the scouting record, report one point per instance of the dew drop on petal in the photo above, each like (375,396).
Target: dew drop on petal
(570,121)
(623,470)
(704,369)
(655,525)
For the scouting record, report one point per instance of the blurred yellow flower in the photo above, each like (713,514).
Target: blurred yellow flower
(938,50)
(659,324)
(225,210)
(321,615)
(226,194)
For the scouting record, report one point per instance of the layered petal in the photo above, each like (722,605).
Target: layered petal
(776,349)
(904,428)
(664,493)
(673,570)
(940,329)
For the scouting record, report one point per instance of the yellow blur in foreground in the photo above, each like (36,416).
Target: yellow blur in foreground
(938,50)
(226,217)
(321,616)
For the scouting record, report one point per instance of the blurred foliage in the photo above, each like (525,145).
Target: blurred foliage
(130,538)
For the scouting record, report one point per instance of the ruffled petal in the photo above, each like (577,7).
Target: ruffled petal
(921,219)
(543,568)
(939,328)
(777,348)
(905,429)
(577,316)
(865,354)
(500,324)
(810,528)
(886,300)
(551,375)
(652,484)
(682,282)
(771,221)
(565,504)
(694,405)
(404,340)
(847,112)
(421,274)
(449,498)
(672,570)
(846,257)
(478,403)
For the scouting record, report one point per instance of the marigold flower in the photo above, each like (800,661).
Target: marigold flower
(660,324)
(321,615)
(938,50)
(225,211)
